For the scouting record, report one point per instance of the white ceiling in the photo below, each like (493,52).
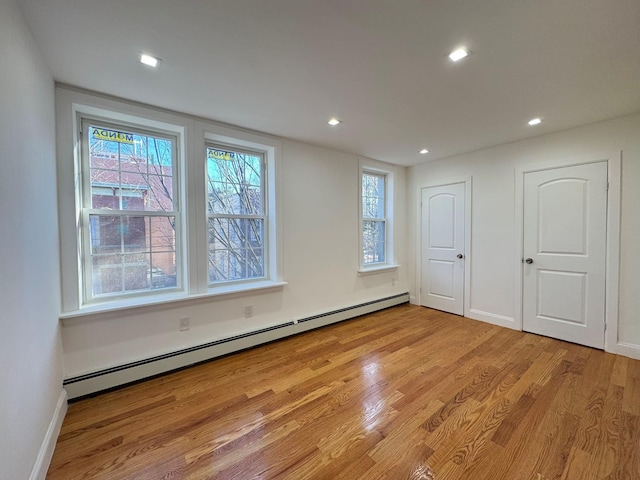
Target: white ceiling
(286,66)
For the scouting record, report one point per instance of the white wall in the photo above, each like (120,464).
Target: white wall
(318,191)
(493,215)
(30,350)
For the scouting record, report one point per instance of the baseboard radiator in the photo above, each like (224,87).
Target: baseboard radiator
(118,376)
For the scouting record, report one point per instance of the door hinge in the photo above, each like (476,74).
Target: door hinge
(607,186)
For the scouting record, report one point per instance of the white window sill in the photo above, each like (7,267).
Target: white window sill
(166,298)
(377,269)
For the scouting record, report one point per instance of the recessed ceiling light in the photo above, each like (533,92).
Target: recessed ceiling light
(149,60)
(458,54)
(424,151)
(534,121)
(334,121)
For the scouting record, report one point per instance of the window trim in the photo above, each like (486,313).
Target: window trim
(192,133)
(381,219)
(366,166)
(270,151)
(142,301)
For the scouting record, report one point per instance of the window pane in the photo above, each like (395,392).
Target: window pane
(107,274)
(105,233)
(235,182)
(235,249)
(162,272)
(159,155)
(134,234)
(257,260)
(135,272)
(255,232)
(163,234)
(373,242)
(218,265)
(160,193)
(130,171)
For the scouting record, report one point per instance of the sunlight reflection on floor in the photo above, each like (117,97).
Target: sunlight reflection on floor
(422,472)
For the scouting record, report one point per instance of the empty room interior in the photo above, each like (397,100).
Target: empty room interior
(320,239)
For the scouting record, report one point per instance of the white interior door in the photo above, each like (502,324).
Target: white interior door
(442,279)
(565,228)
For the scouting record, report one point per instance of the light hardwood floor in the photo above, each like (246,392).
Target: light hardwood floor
(388,395)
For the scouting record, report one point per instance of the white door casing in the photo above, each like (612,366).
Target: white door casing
(443,247)
(564,253)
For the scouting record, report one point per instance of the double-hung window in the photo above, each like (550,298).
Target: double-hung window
(130,215)
(236,214)
(374,219)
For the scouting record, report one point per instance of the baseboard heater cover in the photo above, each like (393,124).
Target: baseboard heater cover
(120,375)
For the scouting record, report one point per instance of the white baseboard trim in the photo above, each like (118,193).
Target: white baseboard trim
(132,372)
(628,350)
(94,382)
(39,470)
(336,316)
(492,318)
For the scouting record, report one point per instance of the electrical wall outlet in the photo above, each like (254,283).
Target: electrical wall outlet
(185,324)
(248,311)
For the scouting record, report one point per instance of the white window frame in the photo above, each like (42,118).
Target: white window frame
(270,151)
(192,134)
(366,166)
(85,209)
(381,219)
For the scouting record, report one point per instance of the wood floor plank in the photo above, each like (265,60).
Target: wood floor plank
(392,395)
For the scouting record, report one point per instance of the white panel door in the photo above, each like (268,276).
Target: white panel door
(565,228)
(443,233)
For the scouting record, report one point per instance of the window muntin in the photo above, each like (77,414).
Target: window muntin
(236,215)
(129,210)
(374,220)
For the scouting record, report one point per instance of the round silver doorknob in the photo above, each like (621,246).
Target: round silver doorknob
(460,255)
(529,261)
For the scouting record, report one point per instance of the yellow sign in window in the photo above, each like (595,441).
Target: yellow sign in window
(221,154)
(112,135)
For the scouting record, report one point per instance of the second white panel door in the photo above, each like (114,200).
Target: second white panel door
(443,242)
(565,231)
